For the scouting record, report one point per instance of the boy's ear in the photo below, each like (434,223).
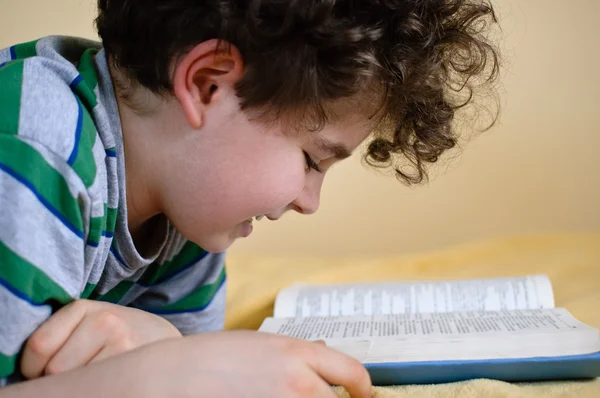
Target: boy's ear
(201,72)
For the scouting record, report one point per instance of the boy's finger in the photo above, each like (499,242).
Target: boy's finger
(320,388)
(340,369)
(86,341)
(45,342)
(109,350)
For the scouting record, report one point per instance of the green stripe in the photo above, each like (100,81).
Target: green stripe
(115,294)
(156,272)
(88,73)
(11,81)
(29,280)
(85,164)
(7,365)
(96,227)
(26,50)
(105,223)
(111,219)
(199,298)
(89,288)
(49,183)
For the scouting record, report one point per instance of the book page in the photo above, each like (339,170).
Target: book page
(526,292)
(463,335)
(430,324)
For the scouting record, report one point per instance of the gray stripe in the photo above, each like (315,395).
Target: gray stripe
(211,319)
(113,273)
(108,123)
(90,254)
(4,55)
(54,249)
(173,246)
(52,122)
(106,105)
(19,320)
(99,260)
(111,175)
(98,189)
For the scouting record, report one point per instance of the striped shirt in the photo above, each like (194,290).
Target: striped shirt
(63,215)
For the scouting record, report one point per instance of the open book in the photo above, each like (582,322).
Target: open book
(428,332)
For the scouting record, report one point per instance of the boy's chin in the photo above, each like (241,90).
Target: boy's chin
(215,244)
(219,241)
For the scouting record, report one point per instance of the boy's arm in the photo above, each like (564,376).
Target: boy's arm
(226,364)
(85,332)
(42,247)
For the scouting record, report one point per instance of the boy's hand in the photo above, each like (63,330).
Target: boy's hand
(87,331)
(250,364)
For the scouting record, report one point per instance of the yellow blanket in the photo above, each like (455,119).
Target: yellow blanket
(572,261)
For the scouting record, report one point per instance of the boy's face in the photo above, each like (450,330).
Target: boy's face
(237,169)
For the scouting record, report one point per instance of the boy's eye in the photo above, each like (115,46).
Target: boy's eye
(311,164)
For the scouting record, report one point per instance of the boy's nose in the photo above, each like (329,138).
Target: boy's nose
(307,202)
(309,199)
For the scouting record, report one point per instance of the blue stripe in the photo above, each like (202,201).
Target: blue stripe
(96,244)
(43,200)
(198,309)
(73,155)
(3,63)
(75,82)
(111,153)
(13,53)
(165,278)
(117,255)
(18,294)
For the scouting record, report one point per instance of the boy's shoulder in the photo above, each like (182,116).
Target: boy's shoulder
(49,91)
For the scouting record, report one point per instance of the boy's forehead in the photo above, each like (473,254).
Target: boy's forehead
(347,128)
(341,133)
(363,110)
(358,113)
(342,126)
(338,150)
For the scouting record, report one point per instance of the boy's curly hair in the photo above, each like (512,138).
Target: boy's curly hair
(304,54)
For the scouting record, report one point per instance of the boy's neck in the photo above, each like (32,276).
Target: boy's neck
(141,122)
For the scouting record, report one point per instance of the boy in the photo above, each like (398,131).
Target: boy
(126,170)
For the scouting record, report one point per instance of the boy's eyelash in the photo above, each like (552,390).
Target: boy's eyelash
(311,163)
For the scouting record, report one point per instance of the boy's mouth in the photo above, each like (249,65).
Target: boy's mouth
(257,218)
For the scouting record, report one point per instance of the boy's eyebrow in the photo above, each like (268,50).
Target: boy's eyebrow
(339,151)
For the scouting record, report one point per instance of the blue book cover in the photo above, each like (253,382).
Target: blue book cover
(520,369)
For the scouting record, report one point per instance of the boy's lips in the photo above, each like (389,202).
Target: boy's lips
(247,225)
(246,228)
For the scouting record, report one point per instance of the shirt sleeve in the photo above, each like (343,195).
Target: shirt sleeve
(41,242)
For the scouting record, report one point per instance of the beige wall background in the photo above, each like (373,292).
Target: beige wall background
(536,171)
